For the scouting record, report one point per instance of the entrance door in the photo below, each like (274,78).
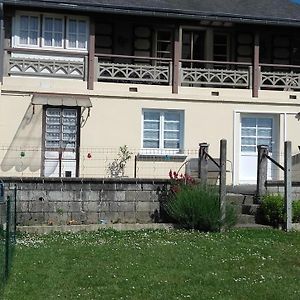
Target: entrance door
(255,130)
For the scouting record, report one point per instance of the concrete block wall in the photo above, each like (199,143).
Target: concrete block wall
(86,201)
(277,187)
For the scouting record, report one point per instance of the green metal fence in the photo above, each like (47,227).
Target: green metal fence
(7,233)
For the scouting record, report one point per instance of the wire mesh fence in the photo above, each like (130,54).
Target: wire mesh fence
(93,162)
(7,233)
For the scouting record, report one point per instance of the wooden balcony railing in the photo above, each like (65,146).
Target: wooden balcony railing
(134,69)
(283,77)
(212,73)
(150,70)
(46,63)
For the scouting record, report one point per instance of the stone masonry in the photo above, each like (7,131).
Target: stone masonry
(59,201)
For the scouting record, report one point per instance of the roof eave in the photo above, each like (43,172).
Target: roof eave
(174,14)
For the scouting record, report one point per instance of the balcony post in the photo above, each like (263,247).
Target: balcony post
(256,71)
(91,56)
(176,60)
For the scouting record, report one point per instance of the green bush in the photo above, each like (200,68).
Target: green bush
(197,207)
(272,210)
(296,211)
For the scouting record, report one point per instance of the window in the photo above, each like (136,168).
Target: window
(61,139)
(49,31)
(53,32)
(163,130)
(77,33)
(254,132)
(28,30)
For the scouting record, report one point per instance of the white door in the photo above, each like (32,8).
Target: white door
(255,130)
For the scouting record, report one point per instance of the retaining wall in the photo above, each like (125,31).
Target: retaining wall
(59,201)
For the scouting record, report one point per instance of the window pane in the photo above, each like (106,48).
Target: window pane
(82,41)
(172,126)
(151,135)
(69,129)
(72,26)
(171,144)
(171,135)
(53,128)
(53,112)
(151,144)
(58,25)
(248,149)
(48,39)
(82,27)
(248,131)
(248,122)
(248,141)
(264,141)
(23,37)
(172,116)
(58,40)
(264,132)
(151,115)
(151,125)
(267,123)
(34,23)
(72,41)
(33,39)
(48,24)
(24,22)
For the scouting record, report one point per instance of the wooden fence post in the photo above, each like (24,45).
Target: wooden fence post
(262,170)
(203,163)
(288,184)
(222,184)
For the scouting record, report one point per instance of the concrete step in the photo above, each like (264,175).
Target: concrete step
(252,226)
(250,209)
(239,199)
(245,189)
(245,219)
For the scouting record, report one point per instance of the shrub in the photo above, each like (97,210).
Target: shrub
(296,211)
(272,209)
(197,207)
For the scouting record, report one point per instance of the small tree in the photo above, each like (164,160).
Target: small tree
(117,167)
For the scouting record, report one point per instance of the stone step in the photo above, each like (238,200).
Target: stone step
(245,219)
(239,199)
(250,209)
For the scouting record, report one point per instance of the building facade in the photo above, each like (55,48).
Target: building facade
(80,79)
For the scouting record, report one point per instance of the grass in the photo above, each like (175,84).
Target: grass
(241,264)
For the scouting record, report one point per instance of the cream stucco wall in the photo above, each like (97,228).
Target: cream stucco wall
(115,120)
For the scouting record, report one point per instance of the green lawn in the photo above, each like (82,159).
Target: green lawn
(241,264)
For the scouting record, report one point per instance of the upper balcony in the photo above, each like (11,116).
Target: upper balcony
(225,56)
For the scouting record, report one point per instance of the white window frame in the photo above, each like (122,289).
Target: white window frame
(86,33)
(17,33)
(161,150)
(41,29)
(63,30)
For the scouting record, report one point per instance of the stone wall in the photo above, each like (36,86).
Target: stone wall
(55,201)
(278,187)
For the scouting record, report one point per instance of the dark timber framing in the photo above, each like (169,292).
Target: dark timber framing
(256,70)
(91,55)
(176,60)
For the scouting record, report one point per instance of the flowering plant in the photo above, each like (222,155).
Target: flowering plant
(178,181)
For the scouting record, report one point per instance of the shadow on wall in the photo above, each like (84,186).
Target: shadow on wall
(25,149)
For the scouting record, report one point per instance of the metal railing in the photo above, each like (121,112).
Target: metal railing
(7,234)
